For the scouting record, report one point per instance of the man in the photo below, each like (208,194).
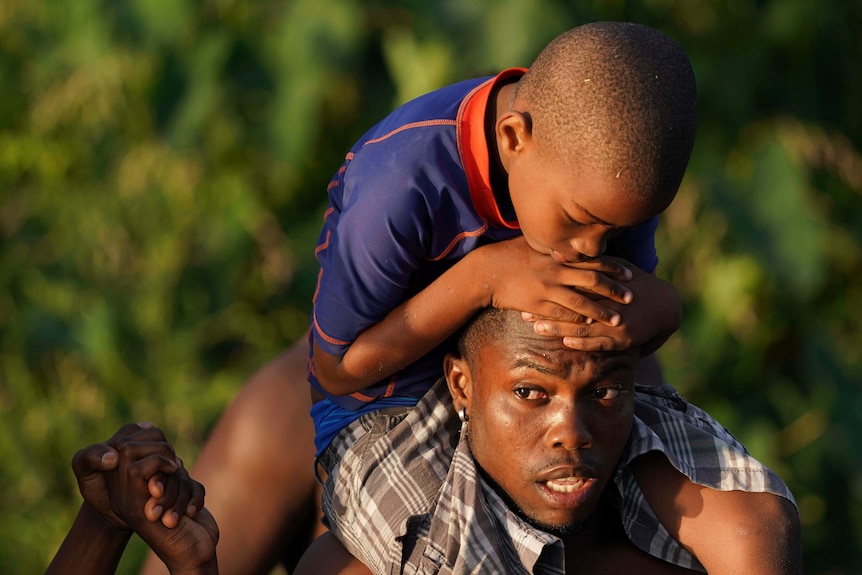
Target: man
(535,470)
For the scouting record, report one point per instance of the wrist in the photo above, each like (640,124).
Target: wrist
(101,525)
(210,568)
(478,278)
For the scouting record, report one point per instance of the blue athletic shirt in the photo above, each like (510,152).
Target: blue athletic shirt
(412,197)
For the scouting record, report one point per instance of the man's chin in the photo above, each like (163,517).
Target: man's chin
(555,524)
(561,531)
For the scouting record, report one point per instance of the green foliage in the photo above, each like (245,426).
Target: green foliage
(163,167)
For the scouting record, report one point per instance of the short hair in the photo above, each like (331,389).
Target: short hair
(618,97)
(489,324)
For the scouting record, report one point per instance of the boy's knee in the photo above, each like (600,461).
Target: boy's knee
(777,536)
(728,531)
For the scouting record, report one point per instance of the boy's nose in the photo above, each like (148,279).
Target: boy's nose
(591,243)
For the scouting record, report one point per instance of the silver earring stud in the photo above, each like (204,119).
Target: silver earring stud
(462,415)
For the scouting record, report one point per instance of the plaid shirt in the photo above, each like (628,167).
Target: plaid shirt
(404,496)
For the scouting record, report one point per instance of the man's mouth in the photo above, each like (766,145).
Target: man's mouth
(566,484)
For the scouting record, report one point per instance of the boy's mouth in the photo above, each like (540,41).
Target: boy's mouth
(560,258)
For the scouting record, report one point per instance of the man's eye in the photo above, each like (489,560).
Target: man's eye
(529,393)
(608,393)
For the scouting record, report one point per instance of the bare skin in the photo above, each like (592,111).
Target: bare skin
(258,470)
(555,271)
(129,483)
(760,532)
(484,277)
(243,476)
(561,251)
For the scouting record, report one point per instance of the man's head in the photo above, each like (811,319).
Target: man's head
(547,424)
(597,136)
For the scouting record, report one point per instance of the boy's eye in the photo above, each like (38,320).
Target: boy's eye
(529,393)
(572,221)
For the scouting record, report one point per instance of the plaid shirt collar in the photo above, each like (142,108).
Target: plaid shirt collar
(498,540)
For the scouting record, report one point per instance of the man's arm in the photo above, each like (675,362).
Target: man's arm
(92,546)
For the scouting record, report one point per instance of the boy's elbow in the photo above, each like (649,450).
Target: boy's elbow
(327,380)
(332,387)
(328,370)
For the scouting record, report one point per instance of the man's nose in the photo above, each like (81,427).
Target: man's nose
(569,428)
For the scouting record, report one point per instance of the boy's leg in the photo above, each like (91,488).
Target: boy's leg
(729,531)
(257,468)
(693,493)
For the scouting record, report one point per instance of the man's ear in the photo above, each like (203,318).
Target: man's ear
(514,131)
(459,380)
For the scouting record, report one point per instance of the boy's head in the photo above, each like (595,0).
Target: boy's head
(600,130)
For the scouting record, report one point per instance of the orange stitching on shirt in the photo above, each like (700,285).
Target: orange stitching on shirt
(422,124)
(457,239)
(325,337)
(325,243)
(390,388)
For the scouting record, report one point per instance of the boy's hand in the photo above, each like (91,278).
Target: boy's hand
(565,294)
(652,315)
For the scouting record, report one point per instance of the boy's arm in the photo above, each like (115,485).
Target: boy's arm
(506,274)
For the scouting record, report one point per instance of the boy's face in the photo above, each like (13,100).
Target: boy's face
(548,423)
(571,214)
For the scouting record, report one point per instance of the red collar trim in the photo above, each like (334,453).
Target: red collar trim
(473,148)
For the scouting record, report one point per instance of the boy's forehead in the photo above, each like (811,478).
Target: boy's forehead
(609,195)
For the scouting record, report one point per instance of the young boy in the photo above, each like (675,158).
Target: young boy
(134,483)
(512,192)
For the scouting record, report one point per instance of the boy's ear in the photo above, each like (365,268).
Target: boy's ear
(514,134)
(459,379)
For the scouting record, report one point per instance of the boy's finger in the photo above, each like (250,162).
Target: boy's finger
(594,343)
(183,496)
(616,268)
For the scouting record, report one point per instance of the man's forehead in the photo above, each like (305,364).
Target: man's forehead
(529,350)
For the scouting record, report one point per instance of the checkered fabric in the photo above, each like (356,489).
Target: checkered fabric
(404,496)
